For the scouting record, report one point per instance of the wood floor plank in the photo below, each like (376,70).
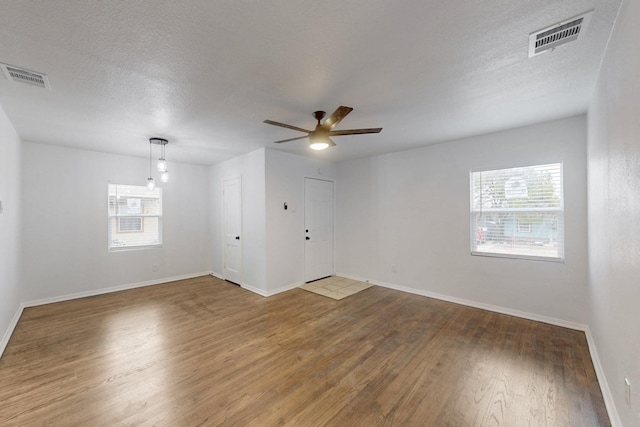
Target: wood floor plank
(203,352)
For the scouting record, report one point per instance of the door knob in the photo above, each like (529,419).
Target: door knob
(307,238)
(237,237)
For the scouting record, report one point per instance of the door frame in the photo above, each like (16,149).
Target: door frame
(223,230)
(333,213)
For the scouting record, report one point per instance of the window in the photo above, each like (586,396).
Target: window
(135,217)
(518,212)
(129,224)
(524,227)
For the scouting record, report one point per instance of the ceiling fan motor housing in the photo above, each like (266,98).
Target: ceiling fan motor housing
(319,115)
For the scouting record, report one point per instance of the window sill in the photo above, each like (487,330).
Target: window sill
(133,248)
(518,256)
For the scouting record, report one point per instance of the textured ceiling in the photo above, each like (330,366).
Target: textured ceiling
(205,74)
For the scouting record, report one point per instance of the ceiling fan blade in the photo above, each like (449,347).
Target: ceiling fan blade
(337,116)
(284,125)
(331,143)
(290,139)
(354,131)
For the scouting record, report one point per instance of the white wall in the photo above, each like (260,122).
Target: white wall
(272,238)
(65,223)
(411,209)
(285,175)
(10,290)
(614,212)
(251,168)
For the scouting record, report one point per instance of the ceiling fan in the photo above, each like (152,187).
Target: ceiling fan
(319,137)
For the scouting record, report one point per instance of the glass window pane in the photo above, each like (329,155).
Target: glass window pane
(135,215)
(518,212)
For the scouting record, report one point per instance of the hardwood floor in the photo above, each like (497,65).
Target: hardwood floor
(205,352)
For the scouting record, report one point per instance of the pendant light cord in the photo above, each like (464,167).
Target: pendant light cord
(150,176)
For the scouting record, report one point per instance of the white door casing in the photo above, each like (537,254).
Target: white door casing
(318,222)
(232,229)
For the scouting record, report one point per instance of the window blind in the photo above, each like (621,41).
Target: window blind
(134,216)
(518,212)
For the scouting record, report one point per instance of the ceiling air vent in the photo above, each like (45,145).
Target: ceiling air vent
(558,34)
(21,75)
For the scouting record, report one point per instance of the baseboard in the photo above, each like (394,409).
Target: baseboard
(102,291)
(612,410)
(255,290)
(10,329)
(271,292)
(470,303)
(261,292)
(283,289)
(359,279)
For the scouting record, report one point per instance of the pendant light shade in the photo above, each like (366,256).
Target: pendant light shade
(162,164)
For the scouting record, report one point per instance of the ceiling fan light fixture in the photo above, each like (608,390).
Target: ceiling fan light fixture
(319,139)
(318,145)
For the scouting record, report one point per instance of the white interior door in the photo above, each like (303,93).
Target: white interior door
(232,229)
(318,222)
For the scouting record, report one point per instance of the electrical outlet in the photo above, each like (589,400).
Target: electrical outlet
(627,391)
(394,268)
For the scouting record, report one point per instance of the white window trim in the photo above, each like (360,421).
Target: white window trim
(112,248)
(518,256)
(473,232)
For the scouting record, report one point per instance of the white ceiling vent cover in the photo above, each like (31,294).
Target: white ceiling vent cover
(558,34)
(21,75)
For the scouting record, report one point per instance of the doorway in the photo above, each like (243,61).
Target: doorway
(318,223)
(232,229)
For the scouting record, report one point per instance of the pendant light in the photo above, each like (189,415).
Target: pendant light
(151,184)
(162,163)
